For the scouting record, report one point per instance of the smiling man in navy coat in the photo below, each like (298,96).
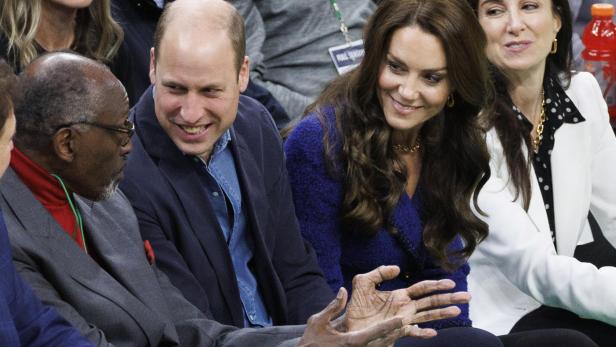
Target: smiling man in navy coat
(208,182)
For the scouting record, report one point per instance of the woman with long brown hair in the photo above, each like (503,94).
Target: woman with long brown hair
(385,164)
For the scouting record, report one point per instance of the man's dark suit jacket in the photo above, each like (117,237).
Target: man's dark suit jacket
(176,217)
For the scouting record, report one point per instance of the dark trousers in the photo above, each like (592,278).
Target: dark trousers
(547,337)
(454,337)
(472,337)
(544,317)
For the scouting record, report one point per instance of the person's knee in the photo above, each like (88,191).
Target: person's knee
(454,337)
(548,337)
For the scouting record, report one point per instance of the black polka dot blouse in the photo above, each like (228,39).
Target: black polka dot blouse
(558,110)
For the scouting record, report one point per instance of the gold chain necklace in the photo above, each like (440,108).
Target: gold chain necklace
(538,136)
(406,148)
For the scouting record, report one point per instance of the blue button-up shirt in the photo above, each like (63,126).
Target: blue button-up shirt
(221,184)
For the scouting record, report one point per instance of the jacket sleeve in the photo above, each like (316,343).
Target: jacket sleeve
(527,258)
(168,258)
(293,257)
(36,324)
(46,292)
(40,325)
(316,197)
(603,196)
(194,329)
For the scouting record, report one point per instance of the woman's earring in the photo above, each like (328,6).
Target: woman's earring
(450,101)
(554,46)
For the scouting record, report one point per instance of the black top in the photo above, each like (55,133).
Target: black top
(559,109)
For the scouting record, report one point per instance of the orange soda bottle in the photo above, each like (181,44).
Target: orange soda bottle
(599,55)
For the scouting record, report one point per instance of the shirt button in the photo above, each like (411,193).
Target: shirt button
(215,193)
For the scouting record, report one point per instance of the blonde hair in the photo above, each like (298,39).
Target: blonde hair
(97,34)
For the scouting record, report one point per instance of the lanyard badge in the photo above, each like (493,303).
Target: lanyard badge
(346,56)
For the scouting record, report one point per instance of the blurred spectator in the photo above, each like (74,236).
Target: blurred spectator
(288,42)
(85,27)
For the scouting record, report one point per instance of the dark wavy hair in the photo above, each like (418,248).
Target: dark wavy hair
(512,135)
(454,156)
(7,87)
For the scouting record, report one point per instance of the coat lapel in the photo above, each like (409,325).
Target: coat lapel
(80,266)
(254,198)
(125,262)
(536,206)
(30,213)
(185,181)
(571,186)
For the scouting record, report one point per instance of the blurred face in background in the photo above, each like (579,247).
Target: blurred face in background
(73,4)
(6,142)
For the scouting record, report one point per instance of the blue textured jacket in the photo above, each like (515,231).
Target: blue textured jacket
(342,255)
(24,320)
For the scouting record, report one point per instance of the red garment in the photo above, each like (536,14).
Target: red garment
(149,252)
(48,191)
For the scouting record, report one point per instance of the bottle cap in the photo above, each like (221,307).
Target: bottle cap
(602,10)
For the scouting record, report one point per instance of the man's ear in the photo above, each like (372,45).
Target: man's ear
(244,74)
(64,144)
(152,66)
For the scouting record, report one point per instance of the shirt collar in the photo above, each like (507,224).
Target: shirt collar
(220,146)
(222,143)
(559,107)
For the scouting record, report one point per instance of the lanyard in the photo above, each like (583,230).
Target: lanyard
(79,224)
(343,28)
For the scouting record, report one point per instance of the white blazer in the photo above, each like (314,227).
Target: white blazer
(516,269)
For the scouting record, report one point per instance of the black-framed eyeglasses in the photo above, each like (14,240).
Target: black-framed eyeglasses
(128,129)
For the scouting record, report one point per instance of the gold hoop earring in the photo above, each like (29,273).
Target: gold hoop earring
(554,46)
(450,101)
